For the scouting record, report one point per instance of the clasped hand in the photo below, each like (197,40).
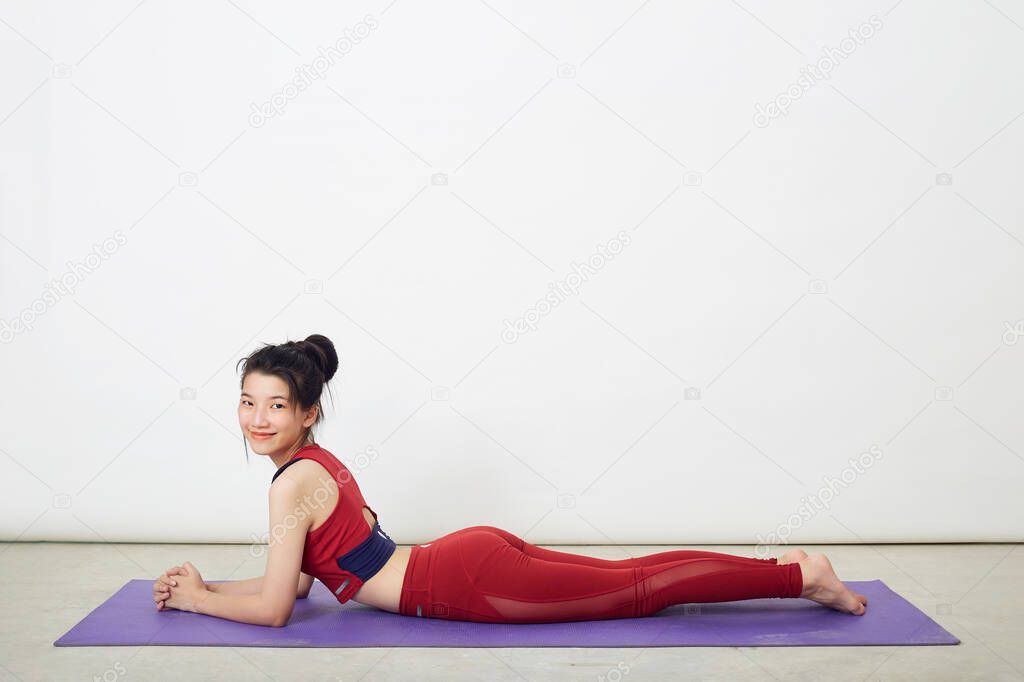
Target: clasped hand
(180,587)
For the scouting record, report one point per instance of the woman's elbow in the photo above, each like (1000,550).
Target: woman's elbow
(279,617)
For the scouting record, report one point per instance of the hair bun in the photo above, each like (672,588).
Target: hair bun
(321,350)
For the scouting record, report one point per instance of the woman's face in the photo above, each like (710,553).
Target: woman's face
(265,408)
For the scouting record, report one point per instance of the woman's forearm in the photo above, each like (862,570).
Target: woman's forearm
(250,586)
(243,608)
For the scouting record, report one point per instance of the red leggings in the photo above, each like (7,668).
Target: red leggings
(489,575)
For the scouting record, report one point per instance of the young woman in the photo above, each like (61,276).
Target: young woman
(321,527)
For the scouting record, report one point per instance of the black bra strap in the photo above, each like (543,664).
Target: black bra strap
(286,465)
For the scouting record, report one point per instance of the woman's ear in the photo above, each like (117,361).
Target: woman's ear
(310,416)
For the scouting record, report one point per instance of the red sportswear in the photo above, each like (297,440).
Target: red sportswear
(344,552)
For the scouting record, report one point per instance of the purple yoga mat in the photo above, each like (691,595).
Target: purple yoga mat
(129,618)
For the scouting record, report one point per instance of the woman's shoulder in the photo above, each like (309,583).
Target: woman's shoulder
(312,462)
(306,459)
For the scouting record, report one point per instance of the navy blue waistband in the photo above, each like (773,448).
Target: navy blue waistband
(369,556)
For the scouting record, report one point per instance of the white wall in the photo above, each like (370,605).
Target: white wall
(797,290)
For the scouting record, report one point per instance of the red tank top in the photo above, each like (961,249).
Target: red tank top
(344,552)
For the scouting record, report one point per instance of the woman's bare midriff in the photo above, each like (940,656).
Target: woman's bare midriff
(383,590)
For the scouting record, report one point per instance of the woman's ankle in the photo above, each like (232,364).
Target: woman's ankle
(808,576)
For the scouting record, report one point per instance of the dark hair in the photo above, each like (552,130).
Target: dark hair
(306,366)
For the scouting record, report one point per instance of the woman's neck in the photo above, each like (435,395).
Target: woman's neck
(280,460)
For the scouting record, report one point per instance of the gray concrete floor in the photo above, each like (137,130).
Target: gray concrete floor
(973,590)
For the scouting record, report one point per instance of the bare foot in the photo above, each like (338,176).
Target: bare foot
(822,585)
(792,556)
